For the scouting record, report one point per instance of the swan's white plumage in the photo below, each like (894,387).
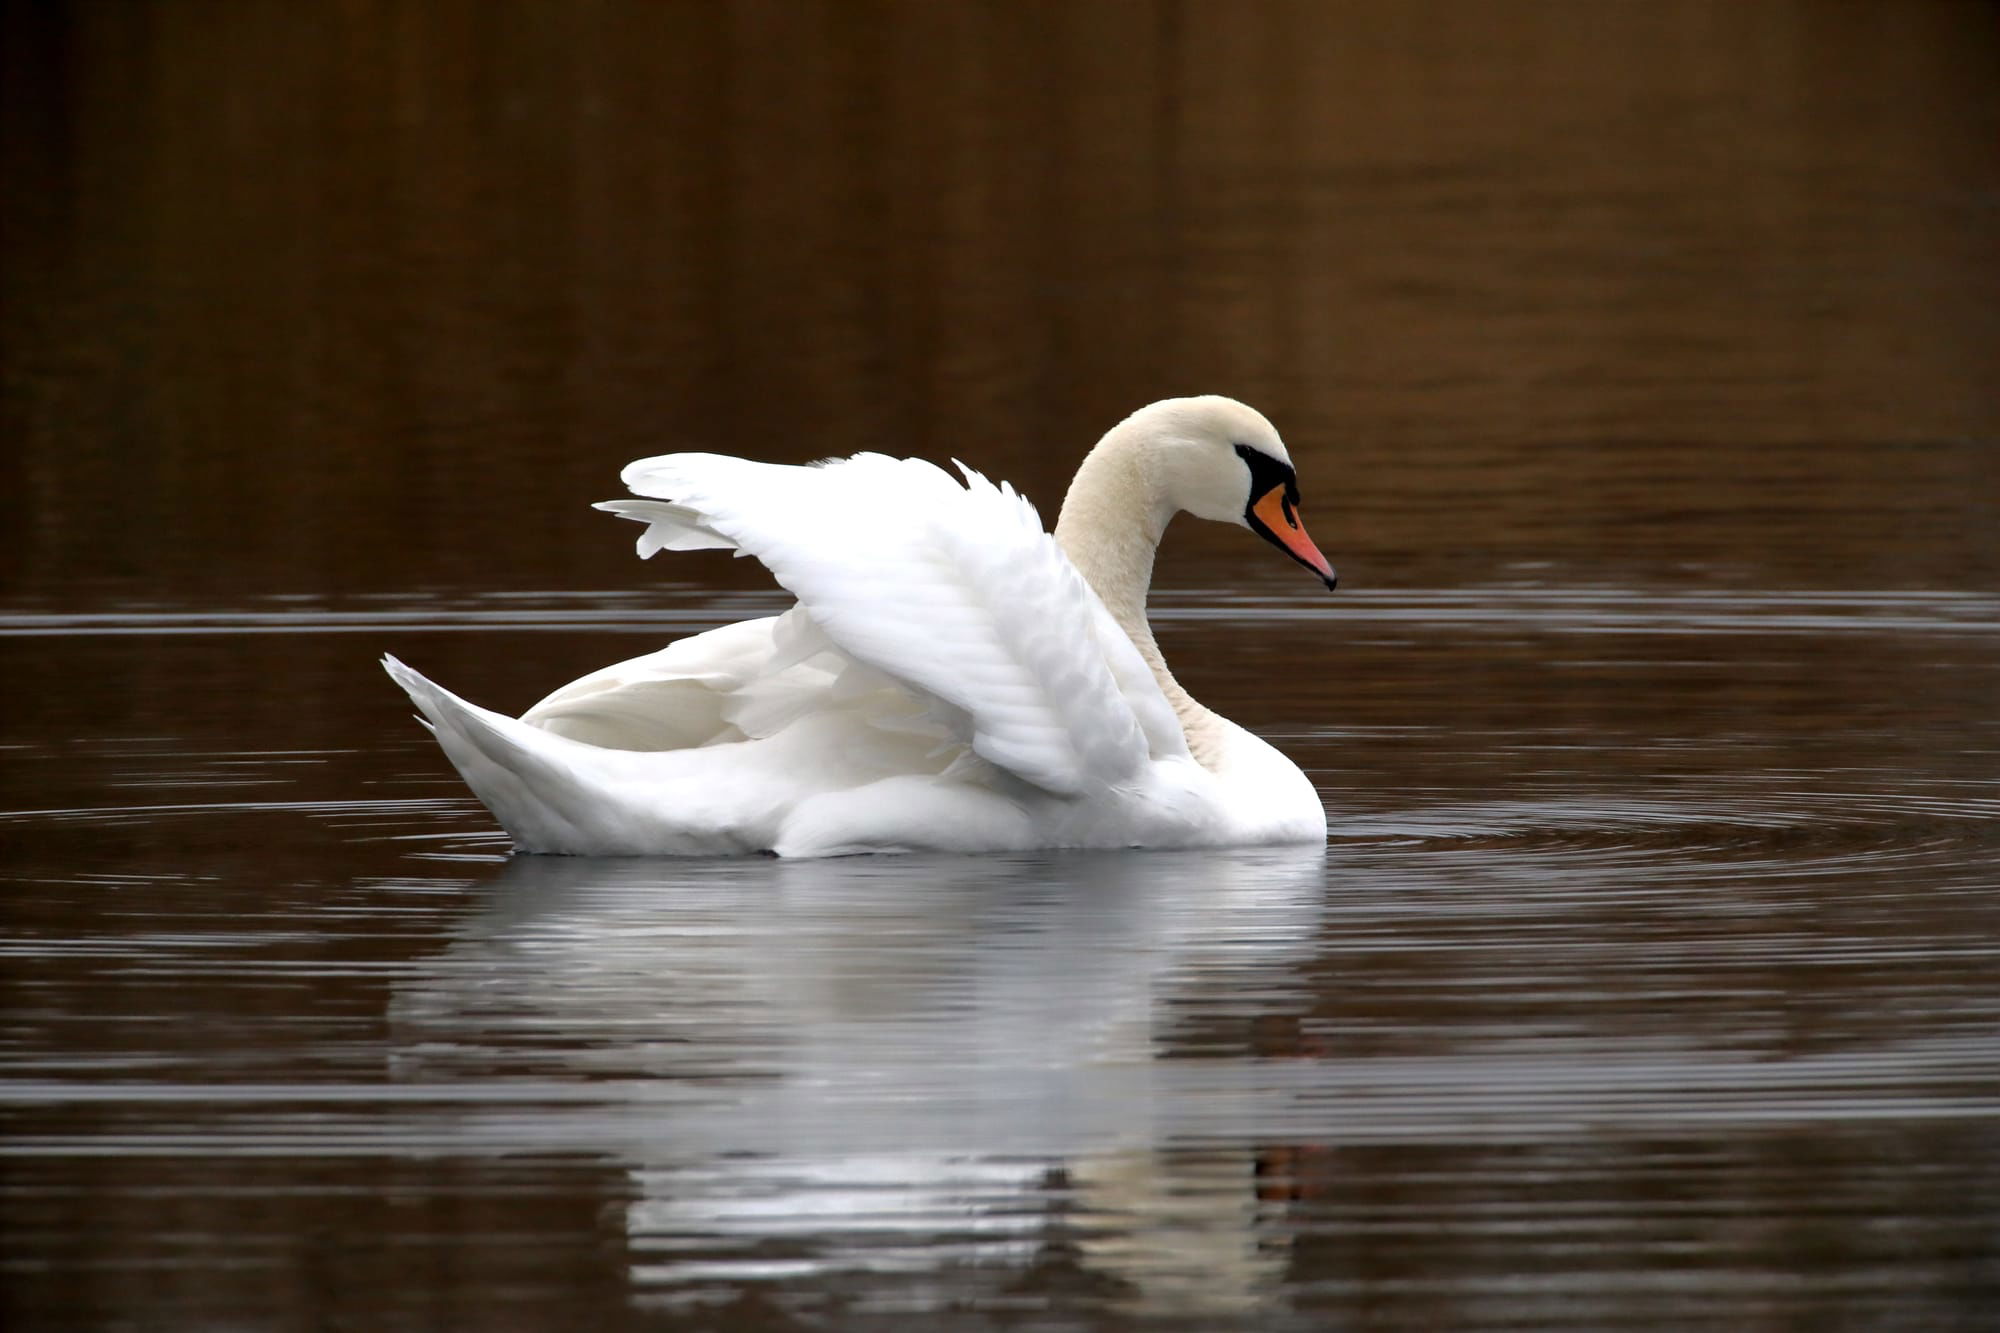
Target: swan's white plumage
(986,614)
(948,679)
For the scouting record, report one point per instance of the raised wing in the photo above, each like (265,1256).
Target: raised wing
(955,590)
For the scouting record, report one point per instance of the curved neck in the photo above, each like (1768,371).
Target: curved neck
(1111,523)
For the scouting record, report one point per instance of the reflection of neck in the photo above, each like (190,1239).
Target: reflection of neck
(1111,524)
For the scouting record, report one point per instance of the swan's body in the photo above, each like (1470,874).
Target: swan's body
(952,676)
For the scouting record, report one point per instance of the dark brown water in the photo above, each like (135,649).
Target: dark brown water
(1640,364)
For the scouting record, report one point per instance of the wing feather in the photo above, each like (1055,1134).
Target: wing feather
(954,589)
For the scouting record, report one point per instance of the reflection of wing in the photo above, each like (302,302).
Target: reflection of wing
(882,1063)
(954,590)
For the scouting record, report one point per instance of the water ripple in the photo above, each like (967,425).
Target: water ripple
(676,611)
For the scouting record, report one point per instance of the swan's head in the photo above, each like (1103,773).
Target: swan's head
(1218,459)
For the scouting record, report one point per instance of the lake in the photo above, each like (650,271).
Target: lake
(1638,364)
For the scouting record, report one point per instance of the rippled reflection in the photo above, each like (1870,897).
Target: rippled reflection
(885,1065)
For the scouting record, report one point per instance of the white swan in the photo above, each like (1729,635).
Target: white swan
(951,678)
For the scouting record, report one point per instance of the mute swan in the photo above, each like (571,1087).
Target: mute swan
(951,678)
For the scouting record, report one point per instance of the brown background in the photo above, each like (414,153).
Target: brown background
(313,298)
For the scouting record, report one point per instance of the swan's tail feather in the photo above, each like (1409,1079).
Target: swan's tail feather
(515,768)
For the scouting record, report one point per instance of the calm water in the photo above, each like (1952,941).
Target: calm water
(1638,360)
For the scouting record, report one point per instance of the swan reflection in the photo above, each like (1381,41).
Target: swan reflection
(829,1069)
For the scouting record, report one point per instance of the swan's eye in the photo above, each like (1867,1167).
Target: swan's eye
(1268,477)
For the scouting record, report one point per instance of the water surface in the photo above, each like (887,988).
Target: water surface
(1622,981)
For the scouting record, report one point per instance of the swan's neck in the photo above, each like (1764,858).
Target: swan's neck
(1110,527)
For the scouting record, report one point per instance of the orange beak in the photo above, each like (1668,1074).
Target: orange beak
(1280,523)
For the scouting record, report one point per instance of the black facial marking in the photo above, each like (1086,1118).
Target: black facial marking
(1267,473)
